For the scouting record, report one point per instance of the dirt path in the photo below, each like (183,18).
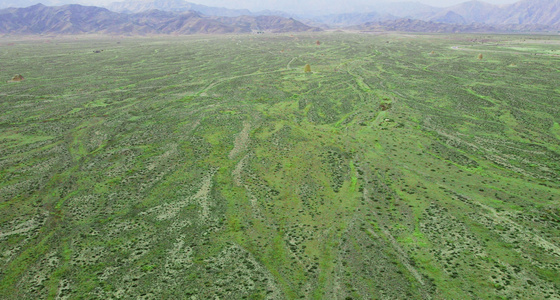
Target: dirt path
(203,194)
(213,84)
(288,66)
(238,170)
(402,256)
(529,237)
(201,197)
(241,141)
(238,180)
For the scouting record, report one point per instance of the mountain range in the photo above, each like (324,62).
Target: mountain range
(182,17)
(181,5)
(413,25)
(525,12)
(78,19)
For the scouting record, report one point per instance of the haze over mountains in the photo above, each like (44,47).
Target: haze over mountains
(77,19)
(525,12)
(182,17)
(181,5)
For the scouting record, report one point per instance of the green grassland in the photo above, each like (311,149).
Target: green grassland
(214,167)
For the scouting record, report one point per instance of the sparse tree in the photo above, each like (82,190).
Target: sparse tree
(318,43)
(307,68)
(480,56)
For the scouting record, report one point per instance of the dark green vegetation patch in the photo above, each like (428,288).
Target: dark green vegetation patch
(400,167)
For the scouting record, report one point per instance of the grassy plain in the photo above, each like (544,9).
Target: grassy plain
(214,167)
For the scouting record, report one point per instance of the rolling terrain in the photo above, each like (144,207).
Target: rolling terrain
(204,167)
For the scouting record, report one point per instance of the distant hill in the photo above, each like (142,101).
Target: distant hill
(272,24)
(450,17)
(353,18)
(411,10)
(182,5)
(545,12)
(190,22)
(469,12)
(78,19)
(67,19)
(527,13)
(411,25)
(378,12)
(174,5)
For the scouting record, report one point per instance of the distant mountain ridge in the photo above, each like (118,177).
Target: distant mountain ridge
(545,12)
(78,19)
(525,12)
(351,19)
(412,25)
(174,18)
(182,5)
(174,5)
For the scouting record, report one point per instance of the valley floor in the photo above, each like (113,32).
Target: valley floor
(214,167)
